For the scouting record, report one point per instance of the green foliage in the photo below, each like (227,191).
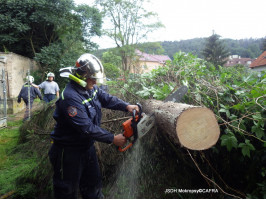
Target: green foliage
(229,140)
(264,45)
(237,97)
(55,33)
(151,48)
(34,142)
(24,165)
(193,46)
(32,24)
(129,24)
(214,51)
(112,64)
(112,57)
(111,71)
(246,148)
(13,164)
(246,48)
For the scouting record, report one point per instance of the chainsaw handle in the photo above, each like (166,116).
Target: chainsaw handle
(134,114)
(125,148)
(139,113)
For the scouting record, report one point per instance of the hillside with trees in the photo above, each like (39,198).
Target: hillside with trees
(246,48)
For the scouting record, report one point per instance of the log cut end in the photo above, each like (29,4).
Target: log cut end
(197,128)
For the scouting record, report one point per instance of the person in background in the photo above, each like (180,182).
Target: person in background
(78,118)
(50,87)
(24,94)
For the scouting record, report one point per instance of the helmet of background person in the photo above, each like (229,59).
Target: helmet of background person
(50,74)
(30,79)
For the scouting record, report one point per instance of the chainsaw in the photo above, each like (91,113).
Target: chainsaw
(140,123)
(130,128)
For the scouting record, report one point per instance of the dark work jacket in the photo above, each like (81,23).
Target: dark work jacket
(33,93)
(78,116)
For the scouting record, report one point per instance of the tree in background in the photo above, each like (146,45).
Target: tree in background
(112,64)
(214,51)
(151,48)
(129,24)
(54,32)
(264,45)
(74,40)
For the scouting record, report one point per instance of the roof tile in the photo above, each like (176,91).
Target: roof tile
(260,61)
(151,57)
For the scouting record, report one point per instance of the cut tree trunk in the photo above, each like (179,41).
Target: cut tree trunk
(189,126)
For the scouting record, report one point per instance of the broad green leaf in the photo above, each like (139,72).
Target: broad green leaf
(259,132)
(222,110)
(226,112)
(239,106)
(246,148)
(255,93)
(257,116)
(229,141)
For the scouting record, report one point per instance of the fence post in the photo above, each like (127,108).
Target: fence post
(29,86)
(4,91)
(3,119)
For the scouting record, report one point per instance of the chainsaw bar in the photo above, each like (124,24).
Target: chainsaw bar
(145,124)
(177,95)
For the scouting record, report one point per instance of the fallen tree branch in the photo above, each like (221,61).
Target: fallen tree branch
(202,154)
(243,131)
(204,176)
(5,196)
(245,116)
(258,103)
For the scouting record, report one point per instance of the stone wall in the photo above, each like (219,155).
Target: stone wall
(16,68)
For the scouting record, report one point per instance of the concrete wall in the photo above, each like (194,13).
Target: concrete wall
(16,68)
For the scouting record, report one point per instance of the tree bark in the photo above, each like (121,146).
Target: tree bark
(186,125)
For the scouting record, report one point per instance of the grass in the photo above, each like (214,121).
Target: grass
(11,124)
(12,163)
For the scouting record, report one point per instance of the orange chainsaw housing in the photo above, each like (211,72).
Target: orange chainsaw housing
(128,130)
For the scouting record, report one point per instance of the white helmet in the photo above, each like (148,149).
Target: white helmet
(89,66)
(30,79)
(50,74)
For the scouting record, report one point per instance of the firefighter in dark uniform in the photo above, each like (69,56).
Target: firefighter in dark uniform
(24,94)
(78,117)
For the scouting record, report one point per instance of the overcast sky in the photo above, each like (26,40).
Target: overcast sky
(187,19)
